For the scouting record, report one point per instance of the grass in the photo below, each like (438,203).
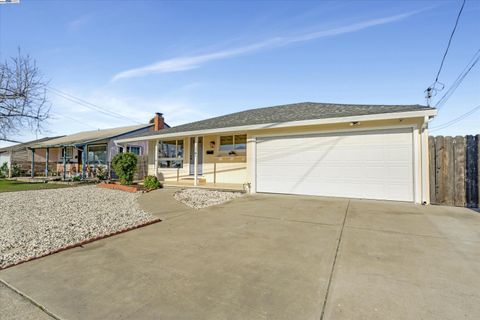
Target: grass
(9,186)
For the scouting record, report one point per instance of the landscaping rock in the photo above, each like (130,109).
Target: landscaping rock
(34,223)
(202,198)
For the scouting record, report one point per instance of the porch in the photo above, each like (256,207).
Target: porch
(201,184)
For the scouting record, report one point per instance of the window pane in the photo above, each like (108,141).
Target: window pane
(167,149)
(134,150)
(241,142)
(180,149)
(226,143)
(170,164)
(97,154)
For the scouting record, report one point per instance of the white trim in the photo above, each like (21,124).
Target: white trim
(155,164)
(416,174)
(383,116)
(195,161)
(252,162)
(414,131)
(425,163)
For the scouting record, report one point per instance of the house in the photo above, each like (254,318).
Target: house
(338,150)
(81,153)
(19,154)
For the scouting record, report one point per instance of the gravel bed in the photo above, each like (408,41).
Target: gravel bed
(202,198)
(34,223)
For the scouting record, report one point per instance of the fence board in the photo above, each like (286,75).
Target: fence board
(471,173)
(478,169)
(449,174)
(459,174)
(432,166)
(439,172)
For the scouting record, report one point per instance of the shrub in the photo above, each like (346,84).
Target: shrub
(77,178)
(125,165)
(100,173)
(4,170)
(151,182)
(15,170)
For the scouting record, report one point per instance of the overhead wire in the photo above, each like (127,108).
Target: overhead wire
(459,118)
(476,57)
(432,90)
(89,105)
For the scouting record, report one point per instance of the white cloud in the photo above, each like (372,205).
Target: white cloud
(192,62)
(78,23)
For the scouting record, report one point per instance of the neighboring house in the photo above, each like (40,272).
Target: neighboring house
(20,155)
(81,153)
(340,150)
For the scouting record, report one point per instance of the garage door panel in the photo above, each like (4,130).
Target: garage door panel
(374,165)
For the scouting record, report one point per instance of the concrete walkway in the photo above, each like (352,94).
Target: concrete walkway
(270,257)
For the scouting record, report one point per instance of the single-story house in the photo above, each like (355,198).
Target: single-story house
(20,155)
(81,153)
(338,150)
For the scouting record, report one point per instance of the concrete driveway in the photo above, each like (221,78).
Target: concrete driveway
(264,257)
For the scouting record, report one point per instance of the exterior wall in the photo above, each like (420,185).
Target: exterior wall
(112,148)
(242,169)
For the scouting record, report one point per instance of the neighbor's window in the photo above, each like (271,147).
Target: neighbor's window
(170,154)
(234,144)
(135,150)
(68,152)
(97,154)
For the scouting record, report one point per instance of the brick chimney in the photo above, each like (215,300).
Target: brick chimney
(158,122)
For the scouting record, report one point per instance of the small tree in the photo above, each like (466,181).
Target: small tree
(125,165)
(23,102)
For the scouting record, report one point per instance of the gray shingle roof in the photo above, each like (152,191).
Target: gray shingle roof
(289,112)
(88,136)
(21,146)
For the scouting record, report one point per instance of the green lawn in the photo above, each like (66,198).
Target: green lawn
(8,186)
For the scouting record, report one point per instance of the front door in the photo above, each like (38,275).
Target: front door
(200,155)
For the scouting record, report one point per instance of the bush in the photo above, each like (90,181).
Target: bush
(4,170)
(125,165)
(15,170)
(77,178)
(151,182)
(100,173)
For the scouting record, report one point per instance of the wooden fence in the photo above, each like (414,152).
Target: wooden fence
(454,170)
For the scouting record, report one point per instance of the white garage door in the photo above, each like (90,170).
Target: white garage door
(372,164)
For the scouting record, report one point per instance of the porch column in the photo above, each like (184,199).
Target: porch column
(33,164)
(155,158)
(47,151)
(125,149)
(10,162)
(64,163)
(195,161)
(84,162)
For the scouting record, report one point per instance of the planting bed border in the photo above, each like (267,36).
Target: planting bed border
(84,242)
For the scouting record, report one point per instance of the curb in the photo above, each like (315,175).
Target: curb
(87,241)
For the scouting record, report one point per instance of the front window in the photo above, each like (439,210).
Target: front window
(135,150)
(233,145)
(67,153)
(97,154)
(170,154)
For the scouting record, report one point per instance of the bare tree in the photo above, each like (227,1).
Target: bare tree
(23,103)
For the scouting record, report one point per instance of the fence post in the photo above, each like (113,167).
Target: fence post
(431,162)
(478,169)
(459,171)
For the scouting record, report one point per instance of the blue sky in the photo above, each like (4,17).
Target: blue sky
(193,60)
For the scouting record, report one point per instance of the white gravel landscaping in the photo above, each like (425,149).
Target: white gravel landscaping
(202,198)
(34,223)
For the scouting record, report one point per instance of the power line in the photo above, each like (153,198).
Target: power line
(431,91)
(89,105)
(459,80)
(459,118)
(76,120)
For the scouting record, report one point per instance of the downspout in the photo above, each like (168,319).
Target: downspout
(155,158)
